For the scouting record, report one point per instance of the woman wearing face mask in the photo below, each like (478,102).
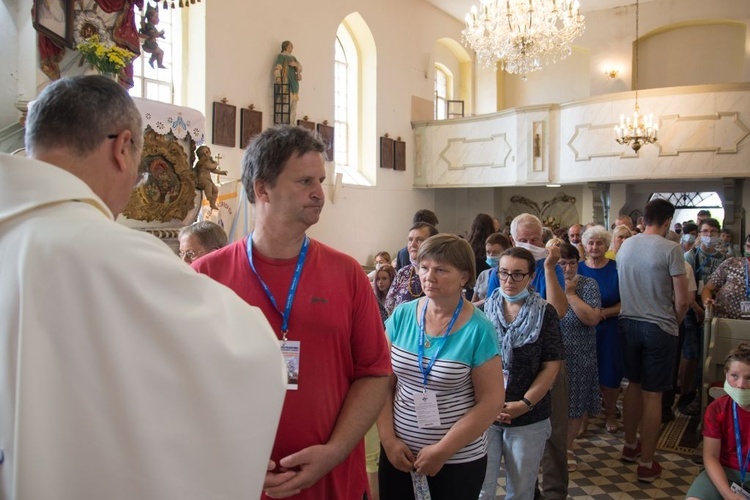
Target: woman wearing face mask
(496,244)
(528,329)
(728,288)
(726,426)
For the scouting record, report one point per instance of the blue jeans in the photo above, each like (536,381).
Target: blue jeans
(522,448)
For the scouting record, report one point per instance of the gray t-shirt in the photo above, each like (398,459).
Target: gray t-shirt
(645,266)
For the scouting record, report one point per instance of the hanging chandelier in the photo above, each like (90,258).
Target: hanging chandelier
(523,35)
(639,129)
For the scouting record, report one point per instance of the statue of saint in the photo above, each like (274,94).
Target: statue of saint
(287,70)
(204,167)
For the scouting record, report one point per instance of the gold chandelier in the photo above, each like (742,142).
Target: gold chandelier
(639,129)
(523,35)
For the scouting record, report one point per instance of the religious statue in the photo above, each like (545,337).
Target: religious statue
(149,32)
(204,167)
(287,70)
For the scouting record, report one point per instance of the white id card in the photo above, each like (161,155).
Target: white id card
(745,309)
(700,286)
(736,488)
(290,351)
(425,404)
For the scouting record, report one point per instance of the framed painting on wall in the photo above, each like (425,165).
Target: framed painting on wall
(386,152)
(224,124)
(54,19)
(326,134)
(306,124)
(251,124)
(399,155)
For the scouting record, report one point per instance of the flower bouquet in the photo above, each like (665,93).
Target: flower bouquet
(107,59)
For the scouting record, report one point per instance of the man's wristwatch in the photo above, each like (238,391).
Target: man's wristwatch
(528,404)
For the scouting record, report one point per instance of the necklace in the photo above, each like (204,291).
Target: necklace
(411,291)
(427,341)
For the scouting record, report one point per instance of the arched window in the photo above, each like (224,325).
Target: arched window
(355,73)
(152,82)
(342,106)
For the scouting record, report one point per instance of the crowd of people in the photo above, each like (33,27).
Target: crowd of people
(272,367)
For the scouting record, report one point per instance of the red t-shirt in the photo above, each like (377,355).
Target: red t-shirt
(335,317)
(718,423)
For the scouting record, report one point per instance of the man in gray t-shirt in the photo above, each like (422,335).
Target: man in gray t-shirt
(653,301)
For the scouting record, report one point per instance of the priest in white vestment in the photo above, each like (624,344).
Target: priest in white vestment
(123,373)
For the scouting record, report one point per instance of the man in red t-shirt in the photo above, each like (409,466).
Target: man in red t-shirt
(320,303)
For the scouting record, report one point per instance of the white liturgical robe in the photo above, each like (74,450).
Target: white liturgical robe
(124,374)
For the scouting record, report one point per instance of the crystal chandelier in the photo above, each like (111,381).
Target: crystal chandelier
(523,35)
(639,129)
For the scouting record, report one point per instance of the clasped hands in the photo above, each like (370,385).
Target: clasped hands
(511,410)
(428,461)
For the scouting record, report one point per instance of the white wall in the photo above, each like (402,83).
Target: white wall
(362,220)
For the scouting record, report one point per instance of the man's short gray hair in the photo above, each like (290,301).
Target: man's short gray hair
(79,113)
(209,234)
(525,220)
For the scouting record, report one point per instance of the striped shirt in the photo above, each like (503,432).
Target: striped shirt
(450,378)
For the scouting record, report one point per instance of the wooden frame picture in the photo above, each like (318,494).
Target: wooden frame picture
(54,19)
(306,124)
(326,134)
(386,152)
(251,124)
(399,155)
(224,124)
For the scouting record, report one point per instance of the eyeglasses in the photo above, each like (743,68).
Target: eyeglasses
(567,263)
(190,255)
(114,136)
(516,276)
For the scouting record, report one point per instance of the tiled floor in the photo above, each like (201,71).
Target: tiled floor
(601,474)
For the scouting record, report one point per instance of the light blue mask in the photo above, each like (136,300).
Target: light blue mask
(687,238)
(709,241)
(492,261)
(522,295)
(739,396)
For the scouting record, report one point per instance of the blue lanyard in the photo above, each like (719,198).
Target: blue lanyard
(292,288)
(747,280)
(707,259)
(420,350)
(742,463)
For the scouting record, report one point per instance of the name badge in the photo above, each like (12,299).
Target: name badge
(745,309)
(425,404)
(736,488)
(700,286)
(290,351)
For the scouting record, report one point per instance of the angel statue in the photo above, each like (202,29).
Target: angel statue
(204,167)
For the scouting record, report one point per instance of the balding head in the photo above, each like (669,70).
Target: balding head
(90,127)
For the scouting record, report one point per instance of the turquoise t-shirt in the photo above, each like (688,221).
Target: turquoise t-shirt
(450,378)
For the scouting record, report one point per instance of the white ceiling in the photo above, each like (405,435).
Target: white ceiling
(459,8)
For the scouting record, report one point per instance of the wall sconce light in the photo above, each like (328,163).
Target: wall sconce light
(612,73)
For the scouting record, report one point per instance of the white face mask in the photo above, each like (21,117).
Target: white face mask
(709,241)
(537,252)
(739,396)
